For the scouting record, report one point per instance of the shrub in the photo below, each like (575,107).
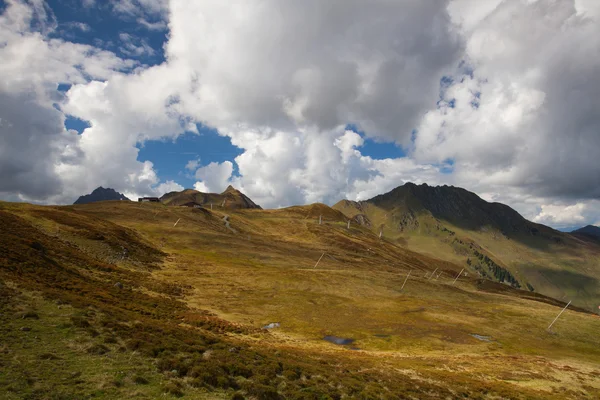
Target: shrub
(140,380)
(174,388)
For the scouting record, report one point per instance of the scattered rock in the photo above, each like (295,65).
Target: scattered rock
(119,285)
(234,350)
(482,338)
(272,325)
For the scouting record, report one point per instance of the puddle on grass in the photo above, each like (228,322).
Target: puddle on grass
(338,340)
(482,338)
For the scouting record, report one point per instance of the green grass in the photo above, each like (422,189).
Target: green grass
(65,353)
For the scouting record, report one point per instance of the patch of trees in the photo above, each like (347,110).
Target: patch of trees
(531,289)
(487,267)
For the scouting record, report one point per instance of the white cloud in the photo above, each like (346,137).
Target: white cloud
(83,27)
(525,116)
(568,215)
(201,187)
(192,165)
(151,14)
(312,65)
(214,177)
(168,186)
(133,46)
(39,159)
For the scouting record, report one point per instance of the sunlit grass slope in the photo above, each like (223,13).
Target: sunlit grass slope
(195,294)
(552,263)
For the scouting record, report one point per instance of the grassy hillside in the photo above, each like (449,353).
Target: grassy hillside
(118,302)
(489,240)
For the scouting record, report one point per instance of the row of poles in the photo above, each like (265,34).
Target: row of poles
(429,277)
(321,222)
(409,272)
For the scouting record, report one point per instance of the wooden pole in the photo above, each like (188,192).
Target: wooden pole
(433,273)
(405,279)
(348,224)
(461,271)
(175,224)
(319,260)
(563,310)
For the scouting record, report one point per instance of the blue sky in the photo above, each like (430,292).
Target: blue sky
(105,27)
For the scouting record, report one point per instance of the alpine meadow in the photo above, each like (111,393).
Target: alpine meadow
(303,200)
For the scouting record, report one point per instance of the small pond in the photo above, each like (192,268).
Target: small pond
(338,340)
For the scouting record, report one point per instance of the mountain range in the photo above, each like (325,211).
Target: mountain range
(100,194)
(490,240)
(231,198)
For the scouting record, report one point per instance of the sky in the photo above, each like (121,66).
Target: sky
(295,102)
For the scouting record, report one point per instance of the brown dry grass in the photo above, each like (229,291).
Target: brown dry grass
(195,295)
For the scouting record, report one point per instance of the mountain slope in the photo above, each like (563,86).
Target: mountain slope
(231,198)
(187,318)
(489,239)
(100,194)
(590,230)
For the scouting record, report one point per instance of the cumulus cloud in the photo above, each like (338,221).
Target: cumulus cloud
(524,111)
(39,159)
(312,65)
(283,91)
(214,177)
(192,165)
(567,215)
(168,186)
